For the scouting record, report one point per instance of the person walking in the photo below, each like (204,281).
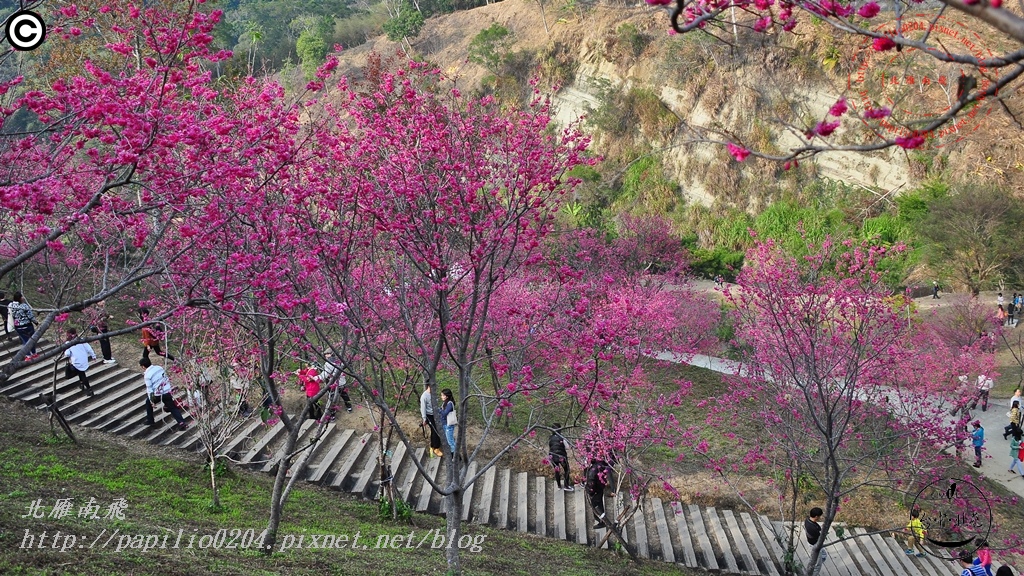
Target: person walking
(310,382)
(917,533)
(99,326)
(1016,466)
(598,474)
(1001,315)
(333,369)
(559,457)
(150,339)
(977,440)
(935,290)
(1011,308)
(78,357)
(3,312)
(966,561)
(158,389)
(24,321)
(812,529)
(449,417)
(985,384)
(427,414)
(1014,415)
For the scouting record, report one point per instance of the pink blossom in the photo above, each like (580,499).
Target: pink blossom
(869,10)
(659,2)
(910,142)
(883,44)
(738,152)
(876,113)
(839,108)
(826,128)
(762,24)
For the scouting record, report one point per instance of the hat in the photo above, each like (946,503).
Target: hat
(964,556)
(977,423)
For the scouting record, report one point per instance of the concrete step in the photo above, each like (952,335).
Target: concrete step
(717,540)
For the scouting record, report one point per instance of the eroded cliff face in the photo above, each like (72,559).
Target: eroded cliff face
(760,92)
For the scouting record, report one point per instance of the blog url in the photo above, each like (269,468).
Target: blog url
(237,538)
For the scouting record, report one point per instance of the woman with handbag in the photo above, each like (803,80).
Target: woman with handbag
(449,417)
(1014,415)
(24,320)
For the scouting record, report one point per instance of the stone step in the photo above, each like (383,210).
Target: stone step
(485,488)
(504,491)
(340,478)
(540,518)
(319,471)
(575,501)
(408,478)
(522,502)
(244,436)
(426,490)
(301,442)
(699,533)
(684,543)
(763,559)
(467,493)
(739,543)
(261,444)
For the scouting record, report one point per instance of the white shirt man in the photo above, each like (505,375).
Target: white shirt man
(332,369)
(80,355)
(157,382)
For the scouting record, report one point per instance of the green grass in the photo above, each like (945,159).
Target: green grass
(166,491)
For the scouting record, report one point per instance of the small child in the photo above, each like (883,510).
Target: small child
(984,558)
(917,533)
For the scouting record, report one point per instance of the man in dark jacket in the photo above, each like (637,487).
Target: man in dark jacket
(559,457)
(813,531)
(598,474)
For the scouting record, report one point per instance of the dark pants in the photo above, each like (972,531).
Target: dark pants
(435,438)
(159,352)
(561,464)
(597,502)
(25,333)
(169,406)
(105,347)
(83,378)
(344,396)
(983,397)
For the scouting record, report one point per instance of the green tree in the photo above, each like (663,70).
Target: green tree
(972,236)
(407,24)
(312,50)
(490,47)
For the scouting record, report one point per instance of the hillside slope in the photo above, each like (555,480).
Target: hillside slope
(745,92)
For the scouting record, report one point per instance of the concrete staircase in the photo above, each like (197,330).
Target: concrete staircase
(729,541)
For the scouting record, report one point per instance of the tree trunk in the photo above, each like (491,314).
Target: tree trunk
(453,526)
(276,508)
(213,480)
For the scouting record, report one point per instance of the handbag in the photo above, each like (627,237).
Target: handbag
(452,418)
(69,371)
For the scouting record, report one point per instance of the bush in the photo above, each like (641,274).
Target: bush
(490,47)
(407,24)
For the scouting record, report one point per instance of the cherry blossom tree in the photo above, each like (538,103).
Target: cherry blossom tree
(960,69)
(101,170)
(860,395)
